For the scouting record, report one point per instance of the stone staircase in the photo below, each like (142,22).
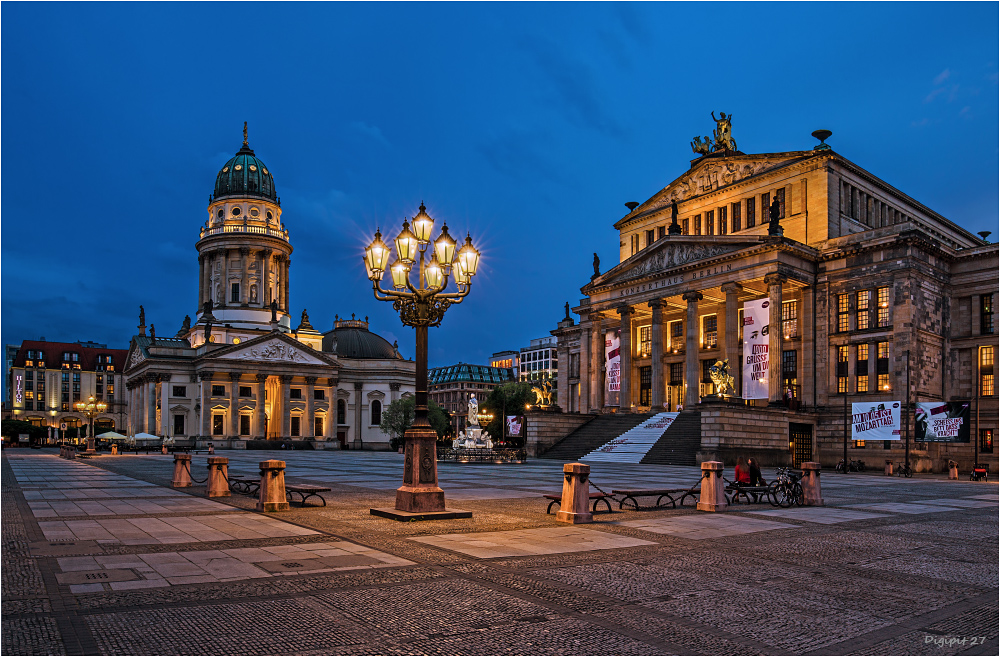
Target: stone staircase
(592,435)
(679,444)
(631,446)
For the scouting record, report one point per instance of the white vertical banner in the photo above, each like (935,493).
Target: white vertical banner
(613,360)
(756,360)
(875,421)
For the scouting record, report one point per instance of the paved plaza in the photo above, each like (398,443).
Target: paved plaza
(103,557)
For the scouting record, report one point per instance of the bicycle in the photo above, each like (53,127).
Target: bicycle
(786,489)
(904,470)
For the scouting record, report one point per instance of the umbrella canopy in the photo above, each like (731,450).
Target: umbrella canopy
(145,436)
(111,435)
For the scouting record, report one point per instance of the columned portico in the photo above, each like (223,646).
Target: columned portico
(774,282)
(309,430)
(597,363)
(286,405)
(656,352)
(585,368)
(731,352)
(206,396)
(692,375)
(625,375)
(259,410)
(234,405)
(358,387)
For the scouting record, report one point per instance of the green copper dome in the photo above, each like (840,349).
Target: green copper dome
(245,176)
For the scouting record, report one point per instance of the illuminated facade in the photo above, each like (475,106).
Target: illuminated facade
(878,298)
(452,386)
(240,371)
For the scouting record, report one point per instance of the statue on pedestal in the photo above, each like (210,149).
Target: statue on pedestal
(473,417)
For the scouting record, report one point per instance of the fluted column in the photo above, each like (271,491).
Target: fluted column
(330,428)
(775,338)
(625,391)
(265,280)
(656,335)
(206,396)
(358,389)
(203,276)
(286,405)
(584,369)
(732,337)
(393,392)
(151,404)
(284,284)
(244,276)
(597,382)
(234,405)
(310,428)
(259,415)
(692,375)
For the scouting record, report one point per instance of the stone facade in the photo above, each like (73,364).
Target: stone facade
(878,298)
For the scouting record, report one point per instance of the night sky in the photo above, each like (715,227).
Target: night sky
(528,125)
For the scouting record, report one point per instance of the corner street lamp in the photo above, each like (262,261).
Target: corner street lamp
(90,408)
(421,303)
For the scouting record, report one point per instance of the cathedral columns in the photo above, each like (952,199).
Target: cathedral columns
(259,411)
(151,404)
(732,336)
(286,405)
(597,387)
(284,284)
(330,427)
(206,396)
(245,275)
(625,375)
(358,387)
(203,261)
(775,393)
(692,375)
(585,369)
(310,428)
(656,335)
(234,405)
(265,279)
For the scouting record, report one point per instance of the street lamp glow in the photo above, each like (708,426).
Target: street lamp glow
(406,244)
(444,247)
(434,274)
(469,257)
(461,278)
(423,225)
(376,257)
(400,272)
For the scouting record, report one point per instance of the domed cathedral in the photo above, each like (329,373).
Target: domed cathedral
(240,371)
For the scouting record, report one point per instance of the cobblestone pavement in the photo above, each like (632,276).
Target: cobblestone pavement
(103,557)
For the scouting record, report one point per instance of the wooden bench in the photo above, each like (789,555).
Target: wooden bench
(597,497)
(673,495)
(305,491)
(752,494)
(244,485)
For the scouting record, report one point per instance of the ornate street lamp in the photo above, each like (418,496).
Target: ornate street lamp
(90,408)
(421,303)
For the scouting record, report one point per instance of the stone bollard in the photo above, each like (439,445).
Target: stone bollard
(888,468)
(952,469)
(114,450)
(182,470)
(71,453)
(62,451)
(272,486)
(713,494)
(218,469)
(574,507)
(811,493)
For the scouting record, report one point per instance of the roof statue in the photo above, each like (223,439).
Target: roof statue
(274,310)
(675,228)
(304,324)
(185,326)
(700,147)
(597,266)
(208,332)
(567,310)
(142,320)
(774,228)
(152,333)
(723,132)
(245,142)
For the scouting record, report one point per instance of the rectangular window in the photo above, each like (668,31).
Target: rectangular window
(883,307)
(697,224)
(660,233)
(244,425)
(883,382)
(843,316)
(722,220)
(709,332)
(710,222)
(178,425)
(645,340)
(737,207)
(859,444)
(765,208)
(986,326)
(987,385)
(676,374)
(217,421)
(677,335)
(843,354)
(319,394)
(645,386)
(318,421)
(780,195)
(789,368)
(650,238)
(861,368)
(864,309)
(751,212)
(245,391)
(295,393)
(179,391)
(296,421)
(790,319)
(235,296)
(739,324)
(218,391)
(986,441)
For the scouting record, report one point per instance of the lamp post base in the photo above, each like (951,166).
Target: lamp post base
(406,516)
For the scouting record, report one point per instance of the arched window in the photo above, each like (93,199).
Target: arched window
(376,412)
(341,411)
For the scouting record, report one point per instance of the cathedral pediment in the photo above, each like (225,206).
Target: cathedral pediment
(672,253)
(711,174)
(273,349)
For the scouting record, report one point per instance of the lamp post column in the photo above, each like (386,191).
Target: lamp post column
(691,374)
(656,335)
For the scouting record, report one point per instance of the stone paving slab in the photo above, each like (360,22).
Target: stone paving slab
(526,542)
(821,514)
(700,527)
(902,507)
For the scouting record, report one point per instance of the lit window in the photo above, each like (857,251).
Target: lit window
(843,354)
(986,377)
(986,314)
(709,332)
(843,313)
(864,309)
(883,307)
(861,368)
(790,319)
(645,340)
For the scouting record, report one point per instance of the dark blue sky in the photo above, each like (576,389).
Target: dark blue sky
(529,125)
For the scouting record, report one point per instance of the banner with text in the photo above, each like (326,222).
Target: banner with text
(613,361)
(875,421)
(942,422)
(756,317)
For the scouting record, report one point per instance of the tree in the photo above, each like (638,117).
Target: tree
(510,399)
(14,428)
(398,416)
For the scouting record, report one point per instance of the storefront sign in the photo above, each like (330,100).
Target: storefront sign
(613,362)
(515,426)
(875,421)
(756,360)
(943,422)
(18,388)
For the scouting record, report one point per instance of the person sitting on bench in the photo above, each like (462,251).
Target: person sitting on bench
(742,473)
(755,477)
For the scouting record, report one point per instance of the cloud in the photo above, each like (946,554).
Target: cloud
(369,131)
(942,76)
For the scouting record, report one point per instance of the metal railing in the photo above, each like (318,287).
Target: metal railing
(258,230)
